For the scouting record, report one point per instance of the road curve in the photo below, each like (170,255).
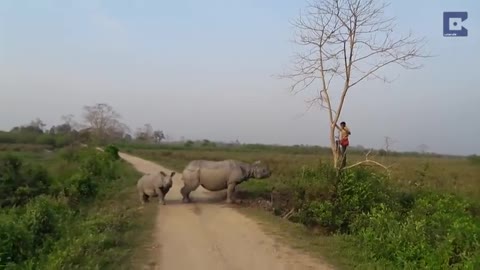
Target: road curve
(210,235)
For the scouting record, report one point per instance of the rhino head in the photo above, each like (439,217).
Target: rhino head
(167,179)
(260,170)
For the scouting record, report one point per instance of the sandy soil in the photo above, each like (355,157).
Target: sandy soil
(208,234)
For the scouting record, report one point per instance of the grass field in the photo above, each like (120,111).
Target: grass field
(423,213)
(447,174)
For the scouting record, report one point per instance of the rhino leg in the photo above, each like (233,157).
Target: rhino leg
(161,198)
(186,194)
(161,195)
(230,193)
(143,197)
(191,181)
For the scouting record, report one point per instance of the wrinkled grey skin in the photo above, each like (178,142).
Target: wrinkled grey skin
(153,185)
(220,175)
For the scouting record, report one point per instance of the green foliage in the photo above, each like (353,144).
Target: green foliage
(44,217)
(81,188)
(112,150)
(20,182)
(15,240)
(26,136)
(395,229)
(52,226)
(438,233)
(344,198)
(474,159)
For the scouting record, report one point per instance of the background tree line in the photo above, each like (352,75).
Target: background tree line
(100,125)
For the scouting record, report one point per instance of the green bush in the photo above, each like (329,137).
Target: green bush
(334,201)
(20,182)
(99,165)
(112,150)
(392,228)
(43,218)
(81,188)
(16,241)
(438,233)
(55,225)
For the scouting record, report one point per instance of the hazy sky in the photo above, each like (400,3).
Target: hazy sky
(205,69)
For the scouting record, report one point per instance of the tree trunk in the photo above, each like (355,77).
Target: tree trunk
(334,147)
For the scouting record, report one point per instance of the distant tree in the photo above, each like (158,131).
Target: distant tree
(423,148)
(35,126)
(69,119)
(344,43)
(104,122)
(158,136)
(388,144)
(145,134)
(360,147)
(127,137)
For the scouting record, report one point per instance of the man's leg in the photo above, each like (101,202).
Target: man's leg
(344,156)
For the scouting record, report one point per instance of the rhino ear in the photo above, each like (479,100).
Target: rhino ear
(172,174)
(162,173)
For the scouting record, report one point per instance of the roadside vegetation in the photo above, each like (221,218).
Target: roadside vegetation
(424,213)
(72,208)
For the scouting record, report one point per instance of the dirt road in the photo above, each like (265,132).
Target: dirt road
(210,235)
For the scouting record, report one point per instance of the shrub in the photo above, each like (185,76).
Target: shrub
(16,241)
(98,164)
(81,188)
(112,151)
(438,233)
(43,218)
(19,182)
(334,201)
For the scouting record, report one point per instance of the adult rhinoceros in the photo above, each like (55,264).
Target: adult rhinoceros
(220,175)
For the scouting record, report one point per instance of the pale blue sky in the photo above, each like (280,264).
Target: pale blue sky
(203,69)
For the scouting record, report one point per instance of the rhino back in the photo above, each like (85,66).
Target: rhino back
(147,184)
(214,175)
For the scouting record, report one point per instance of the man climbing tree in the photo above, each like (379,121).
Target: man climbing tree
(344,142)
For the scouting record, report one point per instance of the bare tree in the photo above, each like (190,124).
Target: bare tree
(345,43)
(423,148)
(104,122)
(388,143)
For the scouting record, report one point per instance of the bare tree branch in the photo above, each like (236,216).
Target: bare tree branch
(368,161)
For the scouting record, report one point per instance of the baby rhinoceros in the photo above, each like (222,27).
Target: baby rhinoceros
(220,175)
(153,185)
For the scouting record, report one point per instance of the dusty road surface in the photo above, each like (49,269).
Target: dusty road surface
(209,235)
